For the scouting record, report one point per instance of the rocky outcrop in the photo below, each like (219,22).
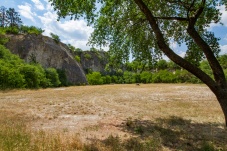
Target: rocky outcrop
(48,53)
(93,60)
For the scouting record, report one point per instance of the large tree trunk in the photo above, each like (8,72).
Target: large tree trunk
(222,99)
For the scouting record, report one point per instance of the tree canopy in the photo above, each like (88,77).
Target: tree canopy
(146,28)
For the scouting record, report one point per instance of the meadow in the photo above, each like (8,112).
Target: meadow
(112,118)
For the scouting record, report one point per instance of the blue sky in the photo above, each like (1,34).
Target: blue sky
(40,13)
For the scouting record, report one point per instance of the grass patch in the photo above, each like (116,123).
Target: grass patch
(16,136)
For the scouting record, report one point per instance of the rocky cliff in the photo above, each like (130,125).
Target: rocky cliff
(44,50)
(93,60)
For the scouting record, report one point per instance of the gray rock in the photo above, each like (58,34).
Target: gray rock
(48,53)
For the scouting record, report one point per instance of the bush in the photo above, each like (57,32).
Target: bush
(146,77)
(77,58)
(10,77)
(12,30)
(30,30)
(3,39)
(164,76)
(31,75)
(15,73)
(55,37)
(52,75)
(106,79)
(62,77)
(129,77)
(94,78)
(183,76)
(87,56)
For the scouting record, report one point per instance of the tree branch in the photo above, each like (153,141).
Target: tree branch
(169,52)
(218,73)
(172,18)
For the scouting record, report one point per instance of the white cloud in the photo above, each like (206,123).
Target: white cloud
(182,53)
(223,17)
(48,6)
(77,29)
(38,4)
(75,32)
(25,11)
(223,49)
(82,44)
(173,45)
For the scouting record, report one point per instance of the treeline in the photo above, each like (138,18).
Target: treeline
(15,73)
(161,72)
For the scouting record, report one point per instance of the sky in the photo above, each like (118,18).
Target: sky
(40,13)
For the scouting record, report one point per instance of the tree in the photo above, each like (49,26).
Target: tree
(162,64)
(2,16)
(140,27)
(13,18)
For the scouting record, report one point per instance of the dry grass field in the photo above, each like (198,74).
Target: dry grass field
(112,117)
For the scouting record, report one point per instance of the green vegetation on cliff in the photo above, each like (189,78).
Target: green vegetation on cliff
(15,73)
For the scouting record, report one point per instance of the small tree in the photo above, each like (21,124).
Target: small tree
(13,18)
(55,37)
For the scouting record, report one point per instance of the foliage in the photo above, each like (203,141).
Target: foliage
(15,73)
(146,77)
(129,77)
(62,78)
(162,64)
(223,61)
(30,30)
(13,18)
(55,37)
(87,56)
(52,75)
(77,58)
(3,38)
(163,76)
(94,78)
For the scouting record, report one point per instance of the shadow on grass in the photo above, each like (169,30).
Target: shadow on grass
(177,133)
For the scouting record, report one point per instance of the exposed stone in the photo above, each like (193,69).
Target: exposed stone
(48,53)
(93,60)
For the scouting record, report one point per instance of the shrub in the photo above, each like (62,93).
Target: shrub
(30,30)
(106,79)
(10,77)
(15,73)
(12,30)
(62,77)
(52,75)
(55,37)
(164,76)
(146,77)
(31,75)
(87,56)
(77,58)
(3,39)
(129,77)
(94,78)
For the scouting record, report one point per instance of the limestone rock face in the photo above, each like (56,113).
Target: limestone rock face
(48,53)
(93,60)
